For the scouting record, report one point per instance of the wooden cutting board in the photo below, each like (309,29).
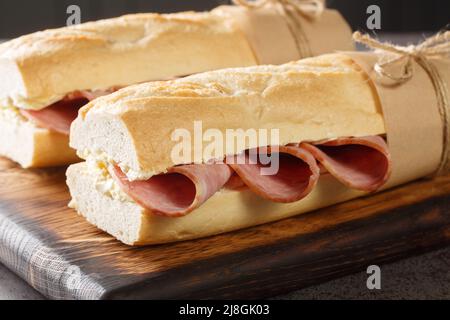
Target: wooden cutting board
(64,257)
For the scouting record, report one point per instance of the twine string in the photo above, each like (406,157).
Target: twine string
(291,10)
(435,47)
(309,8)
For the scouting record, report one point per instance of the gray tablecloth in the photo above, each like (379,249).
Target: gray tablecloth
(422,277)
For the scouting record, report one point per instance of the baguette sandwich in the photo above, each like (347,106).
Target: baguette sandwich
(150,177)
(49,75)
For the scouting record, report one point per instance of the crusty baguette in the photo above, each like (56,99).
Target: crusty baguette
(133,225)
(41,68)
(313,99)
(30,146)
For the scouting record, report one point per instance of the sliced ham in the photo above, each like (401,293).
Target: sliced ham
(297,175)
(185,188)
(235,183)
(178,192)
(59,116)
(359,163)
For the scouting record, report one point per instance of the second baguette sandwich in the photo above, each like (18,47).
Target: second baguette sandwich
(330,147)
(49,75)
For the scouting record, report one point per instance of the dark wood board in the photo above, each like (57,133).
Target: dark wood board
(64,257)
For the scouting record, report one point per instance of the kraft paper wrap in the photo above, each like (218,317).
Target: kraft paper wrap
(414,125)
(273,41)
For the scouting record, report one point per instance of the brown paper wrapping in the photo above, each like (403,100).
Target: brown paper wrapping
(327,34)
(273,42)
(413,123)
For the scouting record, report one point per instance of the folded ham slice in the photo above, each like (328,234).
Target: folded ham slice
(178,192)
(185,188)
(359,163)
(59,116)
(297,175)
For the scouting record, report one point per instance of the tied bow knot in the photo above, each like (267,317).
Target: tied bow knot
(312,9)
(437,46)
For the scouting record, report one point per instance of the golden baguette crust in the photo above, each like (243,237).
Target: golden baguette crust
(34,147)
(133,225)
(312,99)
(42,67)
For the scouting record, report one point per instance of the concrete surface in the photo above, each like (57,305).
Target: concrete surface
(14,288)
(422,277)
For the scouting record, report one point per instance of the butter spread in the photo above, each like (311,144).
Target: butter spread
(104,182)
(12,115)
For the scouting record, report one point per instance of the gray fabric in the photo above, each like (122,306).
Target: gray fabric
(42,268)
(423,277)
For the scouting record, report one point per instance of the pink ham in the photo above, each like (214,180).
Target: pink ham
(359,163)
(235,183)
(297,175)
(185,188)
(178,192)
(59,116)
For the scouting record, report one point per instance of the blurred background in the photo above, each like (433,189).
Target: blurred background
(19,17)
